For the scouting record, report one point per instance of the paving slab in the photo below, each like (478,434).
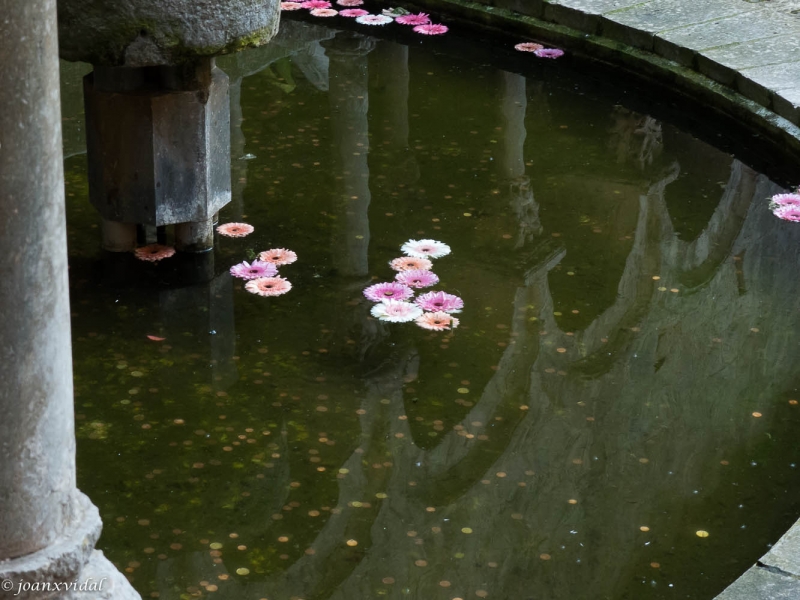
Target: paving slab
(787,104)
(724,62)
(751,25)
(759,583)
(785,554)
(661,15)
(763,83)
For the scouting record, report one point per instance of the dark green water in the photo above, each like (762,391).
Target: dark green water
(630,303)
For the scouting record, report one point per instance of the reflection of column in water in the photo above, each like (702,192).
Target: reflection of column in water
(204,309)
(238,161)
(389,78)
(349,102)
(511,159)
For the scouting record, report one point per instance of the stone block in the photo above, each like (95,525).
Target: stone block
(787,104)
(570,17)
(661,15)
(759,583)
(763,84)
(158,156)
(139,33)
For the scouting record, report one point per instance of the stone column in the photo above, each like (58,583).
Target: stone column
(47,527)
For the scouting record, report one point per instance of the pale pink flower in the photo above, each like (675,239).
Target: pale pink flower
(409,263)
(324,12)
(437,321)
(312,4)
(440,301)
(374,19)
(254,270)
(353,12)
(235,229)
(278,256)
(782,200)
(154,252)
(788,213)
(425,248)
(349,2)
(291,6)
(268,286)
(549,53)
(431,29)
(396,311)
(418,19)
(417,278)
(528,47)
(388,291)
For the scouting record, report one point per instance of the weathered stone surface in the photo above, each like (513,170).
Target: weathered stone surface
(158,156)
(661,15)
(787,103)
(37,475)
(139,33)
(109,583)
(785,554)
(759,583)
(753,25)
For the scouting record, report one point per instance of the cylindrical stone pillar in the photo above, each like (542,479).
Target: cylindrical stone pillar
(37,475)
(47,527)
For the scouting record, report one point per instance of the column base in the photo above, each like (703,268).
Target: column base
(195,237)
(49,572)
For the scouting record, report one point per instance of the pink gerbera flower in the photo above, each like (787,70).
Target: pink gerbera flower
(353,12)
(396,311)
(440,301)
(549,53)
(781,200)
(235,229)
(291,6)
(254,270)
(154,252)
(388,291)
(425,248)
(312,4)
(418,19)
(349,2)
(788,213)
(417,278)
(268,286)
(324,12)
(278,256)
(431,29)
(409,263)
(374,19)
(437,321)
(528,47)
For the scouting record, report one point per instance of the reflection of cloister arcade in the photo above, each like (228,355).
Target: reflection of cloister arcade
(584,414)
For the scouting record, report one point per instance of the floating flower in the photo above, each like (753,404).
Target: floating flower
(409,263)
(374,19)
(278,256)
(235,229)
(440,301)
(388,291)
(788,213)
(349,2)
(425,248)
(549,53)
(418,278)
(154,252)
(312,4)
(780,200)
(431,29)
(268,286)
(353,12)
(396,311)
(528,47)
(291,5)
(437,321)
(418,19)
(254,270)
(324,12)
